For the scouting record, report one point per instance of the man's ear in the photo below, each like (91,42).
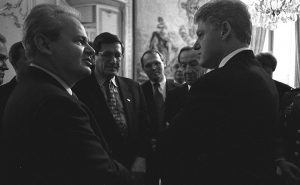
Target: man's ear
(225,30)
(42,43)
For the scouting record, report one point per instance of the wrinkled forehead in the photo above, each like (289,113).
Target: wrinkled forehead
(116,46)
(152,57)
(3,49)
(207,26)
(72,27)
(189,56)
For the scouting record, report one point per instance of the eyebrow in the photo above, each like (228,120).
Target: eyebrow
(82,37)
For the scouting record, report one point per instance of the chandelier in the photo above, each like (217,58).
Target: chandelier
(268,13)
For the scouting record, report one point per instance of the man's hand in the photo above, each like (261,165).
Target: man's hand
(138,170)
(290,172)
(139,165)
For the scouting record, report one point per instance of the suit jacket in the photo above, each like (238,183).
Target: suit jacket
(175,100)
(225,133)
(5,91)
(50,137)
(136,115)
(290,126)
(148,92)
(292,135)
(282,89)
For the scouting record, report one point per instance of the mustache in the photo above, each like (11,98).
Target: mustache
(114,65)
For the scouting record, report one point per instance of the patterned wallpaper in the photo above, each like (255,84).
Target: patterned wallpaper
(164,25)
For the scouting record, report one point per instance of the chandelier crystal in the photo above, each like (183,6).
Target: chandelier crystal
(268,13)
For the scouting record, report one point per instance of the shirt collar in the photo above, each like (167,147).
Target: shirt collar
(102,80)
(162,88)
(230,55)
(162,83)
(64,84)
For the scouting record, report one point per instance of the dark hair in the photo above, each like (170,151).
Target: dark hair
(2,38)
(267,60)
(186,48)
(106,38)
(234,11)
(152,51)
(43,19)
(15,53)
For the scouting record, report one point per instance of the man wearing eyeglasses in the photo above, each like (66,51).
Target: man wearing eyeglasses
(48,136)
(118,102)
(3,57)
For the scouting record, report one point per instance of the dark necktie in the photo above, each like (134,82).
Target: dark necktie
(160,106)
(113,107)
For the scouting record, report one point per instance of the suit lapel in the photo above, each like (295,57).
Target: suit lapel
(100,100)
(94,125)
(126,98)
(149,92)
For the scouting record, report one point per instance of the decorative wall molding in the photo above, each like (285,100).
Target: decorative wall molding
(17,11)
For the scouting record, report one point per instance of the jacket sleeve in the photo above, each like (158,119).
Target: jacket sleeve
(71,140)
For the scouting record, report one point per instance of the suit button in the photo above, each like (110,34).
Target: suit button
(296,153)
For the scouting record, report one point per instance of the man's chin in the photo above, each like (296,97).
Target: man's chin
(190,82)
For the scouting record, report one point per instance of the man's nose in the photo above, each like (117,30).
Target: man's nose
(89,50)
(196,45)
(4,67)
(154,66)
(188,69)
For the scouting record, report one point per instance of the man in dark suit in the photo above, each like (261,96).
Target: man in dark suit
(288,161)
(128,141)
(18,61)
(153,65)
(155,90)
(49,136)
(3,57)
(189,61)
(269,63)
(177,74)
(224,134)
(287,168)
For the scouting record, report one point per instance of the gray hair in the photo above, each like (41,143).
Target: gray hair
(43,19)
(234,11)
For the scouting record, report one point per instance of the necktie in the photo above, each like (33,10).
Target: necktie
(113,106)
(160,106)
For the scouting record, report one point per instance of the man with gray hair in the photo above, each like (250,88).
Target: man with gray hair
(3,57)
(49,136)
(226,129)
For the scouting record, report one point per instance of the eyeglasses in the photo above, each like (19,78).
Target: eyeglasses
(110,54)
(3,58)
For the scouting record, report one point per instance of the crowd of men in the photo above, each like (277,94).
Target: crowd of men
(67,117)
